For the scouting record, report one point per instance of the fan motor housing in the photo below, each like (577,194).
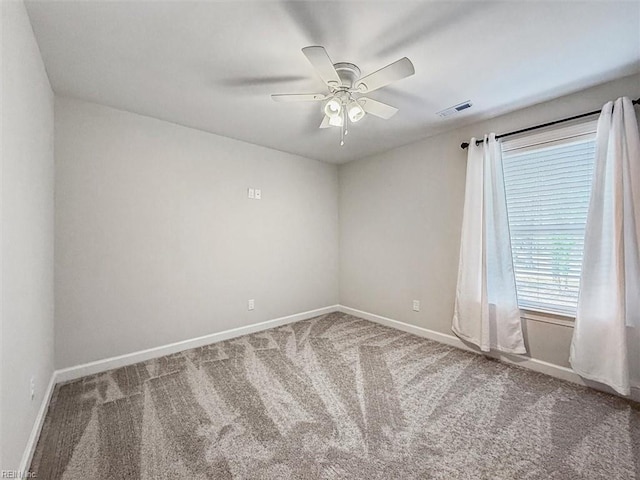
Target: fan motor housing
(348,73)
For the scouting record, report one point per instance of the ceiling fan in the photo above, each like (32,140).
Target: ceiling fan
(344,102)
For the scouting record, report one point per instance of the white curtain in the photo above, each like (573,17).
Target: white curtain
(606,337)
(486,310)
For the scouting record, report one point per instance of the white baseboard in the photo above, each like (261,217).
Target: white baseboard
(405,327)
(78,371)
(29,450)
(534,364)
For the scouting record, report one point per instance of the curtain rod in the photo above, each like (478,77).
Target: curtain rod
(588,114)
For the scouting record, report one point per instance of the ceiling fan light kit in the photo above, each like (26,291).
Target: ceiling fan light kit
(343,103)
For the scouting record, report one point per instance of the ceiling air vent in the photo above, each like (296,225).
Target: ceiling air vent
(447,112)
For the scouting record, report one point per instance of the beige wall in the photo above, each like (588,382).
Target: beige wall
(401,214)
(157,242)
(26,324)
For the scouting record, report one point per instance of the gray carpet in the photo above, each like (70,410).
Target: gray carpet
(334,397)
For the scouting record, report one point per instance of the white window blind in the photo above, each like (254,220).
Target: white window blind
(548,184)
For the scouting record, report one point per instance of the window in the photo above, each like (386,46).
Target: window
(548,184)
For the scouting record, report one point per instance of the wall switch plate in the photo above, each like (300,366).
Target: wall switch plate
(416,305)
(251,193)
(258,194)
(251,304)
(32,388)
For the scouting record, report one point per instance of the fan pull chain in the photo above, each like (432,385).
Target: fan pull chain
(346,123)
(343,130)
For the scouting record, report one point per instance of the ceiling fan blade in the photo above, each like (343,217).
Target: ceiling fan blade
(395,71)
(376,108)
(254,81)
(320,60)
(298,97)
(325,122)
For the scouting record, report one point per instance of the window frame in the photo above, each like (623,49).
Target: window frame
(535,141)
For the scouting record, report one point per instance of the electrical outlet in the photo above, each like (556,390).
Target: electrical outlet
(251,304)
(32,388)
(416,305)
(251,193)
(258,194)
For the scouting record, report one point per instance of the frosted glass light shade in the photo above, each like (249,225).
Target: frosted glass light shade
(333,108)
(335,121)
(355,111)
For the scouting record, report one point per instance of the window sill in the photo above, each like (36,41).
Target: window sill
(547,317)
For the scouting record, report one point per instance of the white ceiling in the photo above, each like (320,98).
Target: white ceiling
(212,65)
